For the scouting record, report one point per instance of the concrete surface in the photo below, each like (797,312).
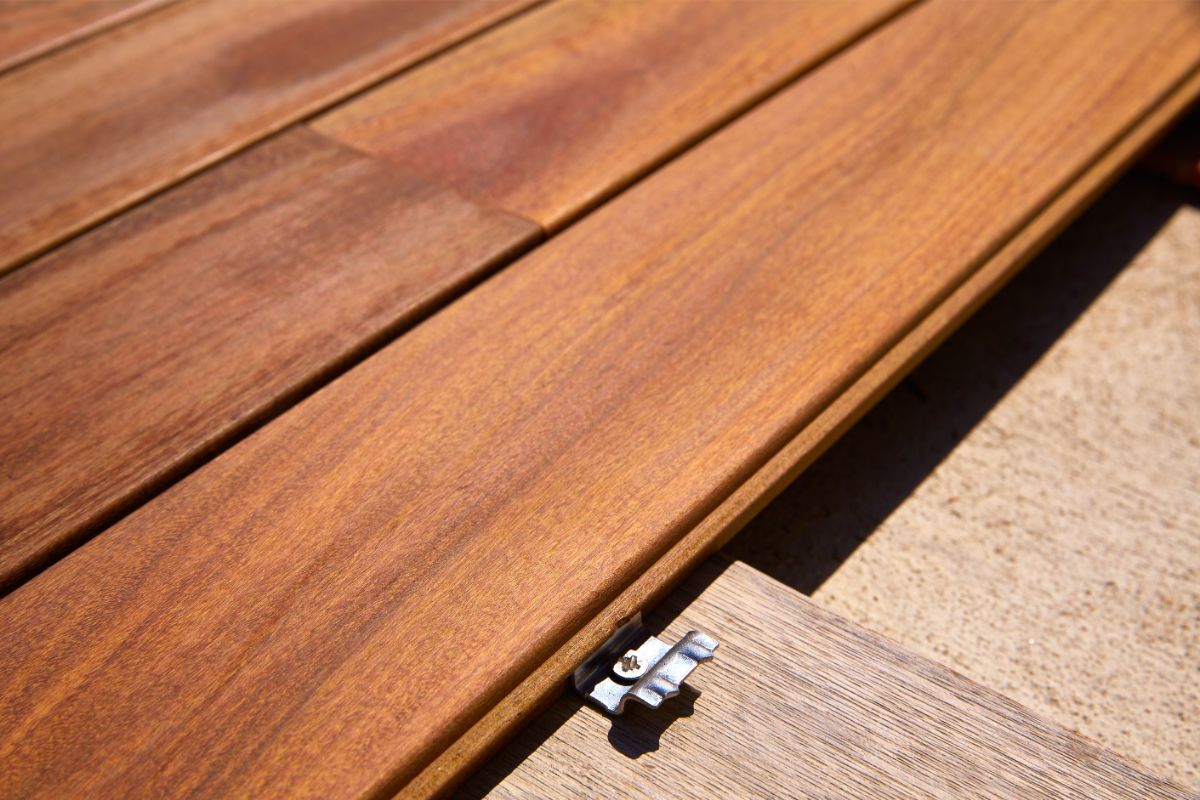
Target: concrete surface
(1025,508)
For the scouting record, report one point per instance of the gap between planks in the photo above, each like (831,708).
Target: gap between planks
(833,35)
(535,693)
(241,71)
(238,576)
(608,93)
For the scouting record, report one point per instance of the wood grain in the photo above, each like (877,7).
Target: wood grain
(541,686)
(95,128)
(383,564)
(800,702)
(550,115)
(130,353)
(30,28)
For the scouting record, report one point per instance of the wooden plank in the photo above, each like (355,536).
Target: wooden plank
(135,350)
(30,28)
(800,702)
(552,114)
(95,128)
(387,561)
(538,689)
(747,499)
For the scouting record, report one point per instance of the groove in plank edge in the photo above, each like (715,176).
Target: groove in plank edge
(794,681)
(82,158)
(317,562)
(502,721)
(59,29)
(159,339)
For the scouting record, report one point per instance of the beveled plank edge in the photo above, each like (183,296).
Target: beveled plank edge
(297,392)
(302,115)
(540,688)
(82,34)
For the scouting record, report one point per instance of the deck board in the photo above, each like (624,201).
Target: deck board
(800,702)
(726,520)
(552,114)
(30,28)
(92,129)
(150,342)
(387,561)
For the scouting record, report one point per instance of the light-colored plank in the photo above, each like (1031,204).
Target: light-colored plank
(553,113)
(30,28)
(137,349)
(800,702)
(92,129)
(389,560)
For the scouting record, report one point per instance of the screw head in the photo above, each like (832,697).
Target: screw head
(630,666)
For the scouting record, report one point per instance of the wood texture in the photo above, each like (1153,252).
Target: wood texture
(30,28)
(97,127)
(800,702)
(1052,554)
(538,689)
(136,349)
(366,586)
(550,115)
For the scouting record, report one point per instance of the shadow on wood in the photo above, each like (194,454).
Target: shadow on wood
(639,730)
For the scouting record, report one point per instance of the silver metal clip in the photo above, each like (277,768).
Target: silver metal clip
(649,673)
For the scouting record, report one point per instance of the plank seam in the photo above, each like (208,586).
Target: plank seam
(804,444)
(393,332)
(353,357)
(300,117)
(108,26)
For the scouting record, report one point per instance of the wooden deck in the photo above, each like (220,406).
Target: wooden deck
(295,502)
